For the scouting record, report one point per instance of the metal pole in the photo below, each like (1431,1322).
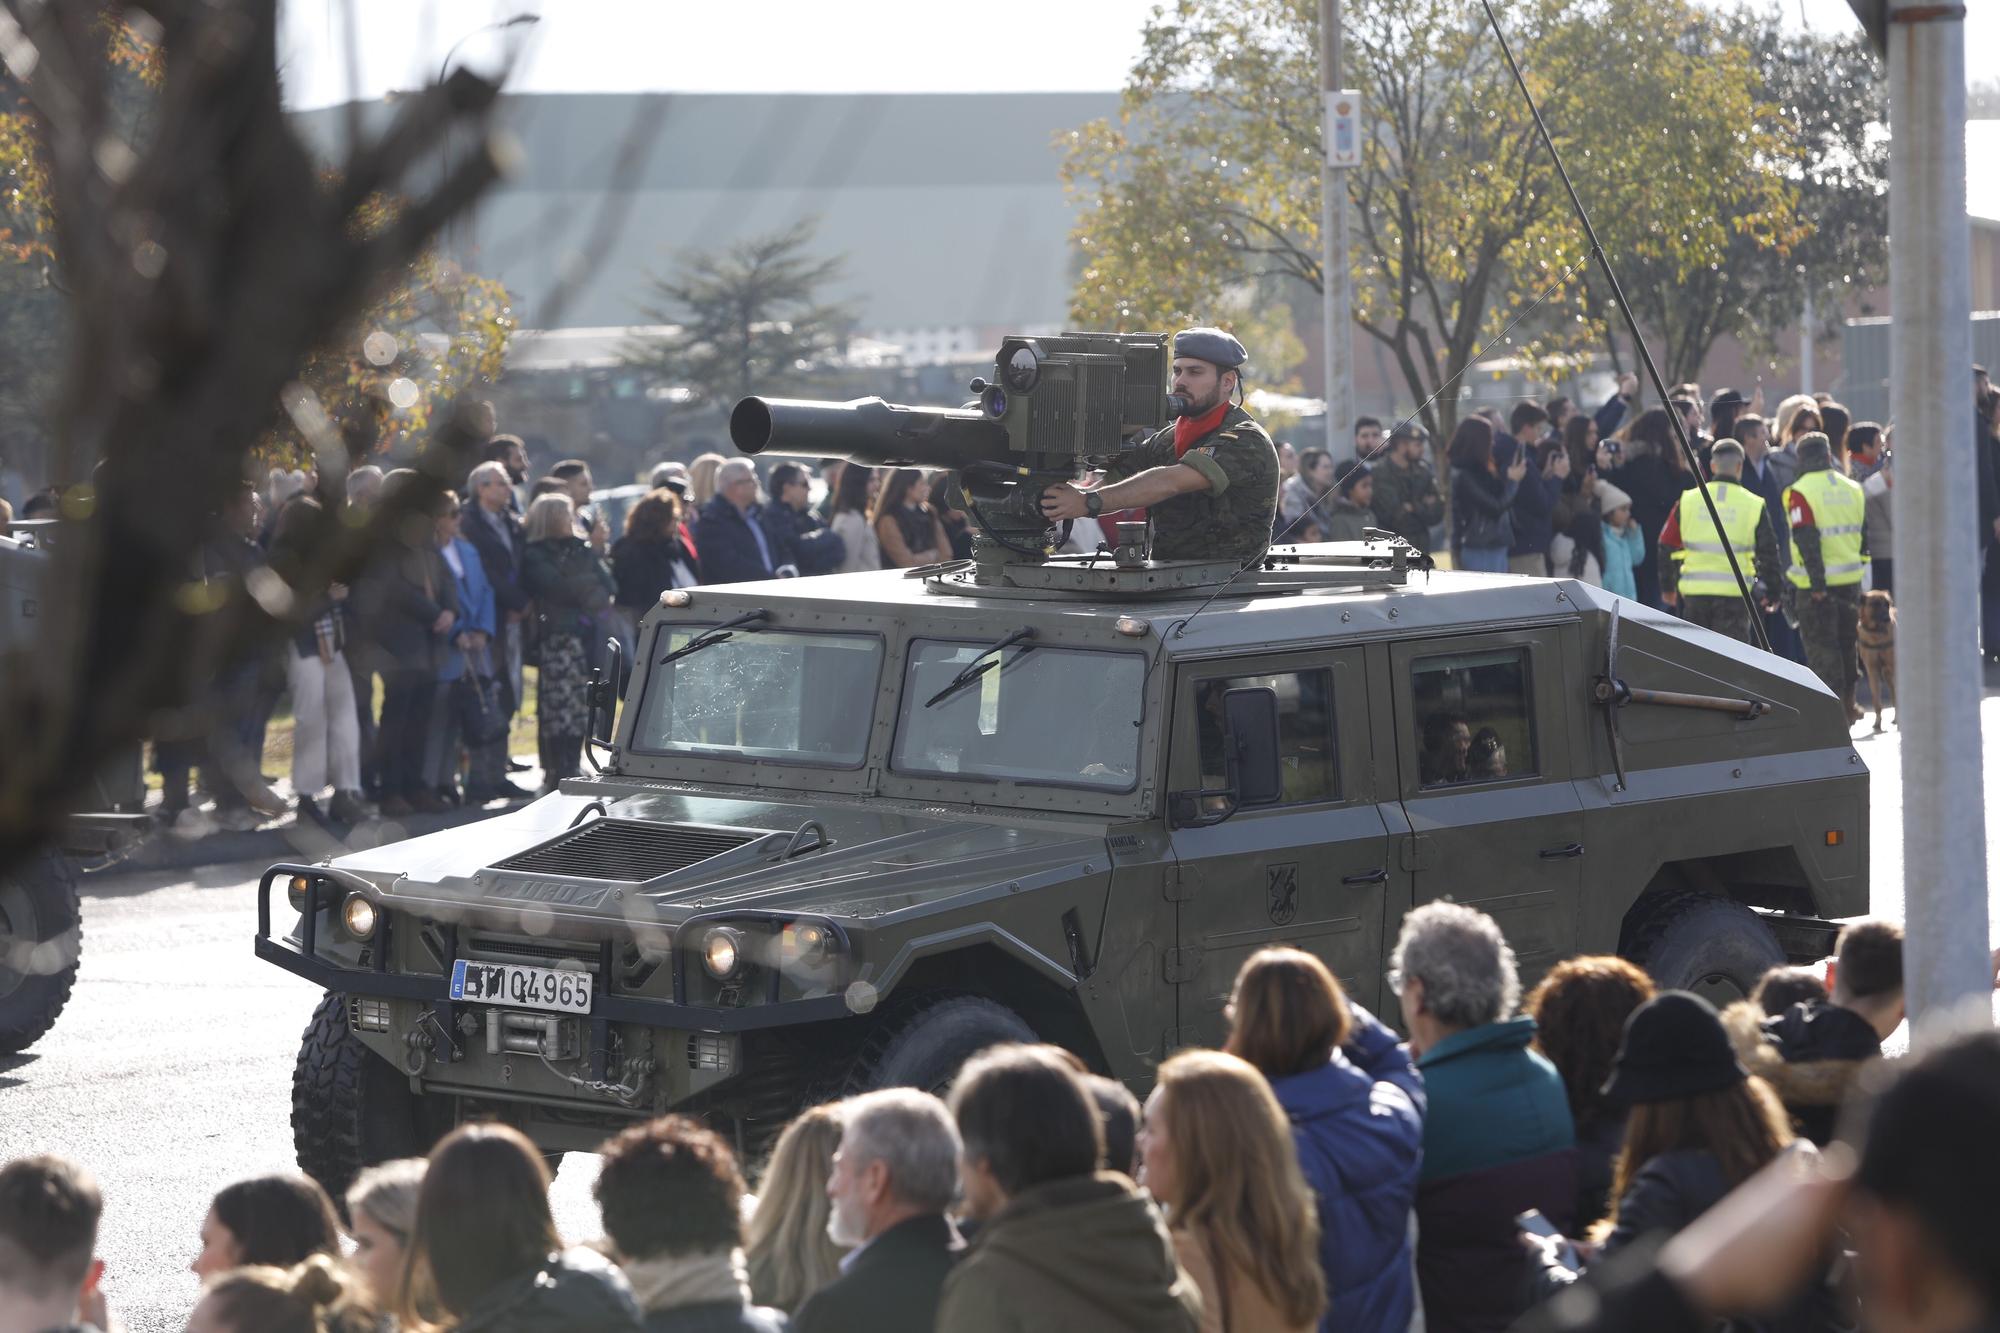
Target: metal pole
(1337,305)
(1935,503)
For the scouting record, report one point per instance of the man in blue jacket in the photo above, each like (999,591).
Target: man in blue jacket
(1498,1138)
(730,532)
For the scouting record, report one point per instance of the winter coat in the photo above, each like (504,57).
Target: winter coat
(1358,1122)
(576,1291)
(1624,552)
(1612,415)
(730,552)
(1408,502)
(799,538)
(1295,499)
(1343,520)
(475,606)
(1084,1255)
(716,1317)
(500,555)
(1810,1055)
(644,567)
(891,1285)
(1655,487)
(1878,520)
(402,593)
(1563,552)
(1481,509)
(569,581)
(1534,503)
(1250,1309)
(857,537)
(1599,1140)
(1498,1140)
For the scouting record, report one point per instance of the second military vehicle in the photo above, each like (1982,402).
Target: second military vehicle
(850,829)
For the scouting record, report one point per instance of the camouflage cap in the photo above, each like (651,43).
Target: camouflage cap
(1210,344)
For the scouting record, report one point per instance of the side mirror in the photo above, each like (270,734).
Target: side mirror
(1250,729)
(602,694)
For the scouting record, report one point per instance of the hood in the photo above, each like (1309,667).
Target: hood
(1810,1054)
(580,852)
(1336,1088)
(1511,1034)
(1094,1249)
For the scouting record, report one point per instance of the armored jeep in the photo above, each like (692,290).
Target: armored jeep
(850,829)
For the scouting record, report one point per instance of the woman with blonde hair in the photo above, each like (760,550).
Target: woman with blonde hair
(382,1206)
(315,1297)
(572,588)
(1217,1154)
(1356,1109)
(701,479)
(789,1252)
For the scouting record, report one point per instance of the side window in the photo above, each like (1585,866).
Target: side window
(1473,720)
(1305,732)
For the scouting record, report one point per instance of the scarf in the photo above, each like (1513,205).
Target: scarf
(1189,429)
(671,1281)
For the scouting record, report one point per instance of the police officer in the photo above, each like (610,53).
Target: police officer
(1697,572)
(1826,512)
(1210,480)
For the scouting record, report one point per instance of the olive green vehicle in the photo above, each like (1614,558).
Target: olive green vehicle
(850,829)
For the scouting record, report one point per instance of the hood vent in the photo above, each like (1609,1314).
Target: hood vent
(627,851)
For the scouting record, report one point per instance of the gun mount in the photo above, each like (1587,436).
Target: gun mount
(1056,404)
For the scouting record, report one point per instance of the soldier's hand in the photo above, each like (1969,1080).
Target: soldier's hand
(1061,502)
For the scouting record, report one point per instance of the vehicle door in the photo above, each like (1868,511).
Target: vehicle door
(1309,869)
(1484,758)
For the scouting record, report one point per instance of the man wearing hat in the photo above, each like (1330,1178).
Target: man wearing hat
(1694,569)
(1827,513)
(1210,480)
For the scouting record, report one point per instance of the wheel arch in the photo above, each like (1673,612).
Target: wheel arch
(1771,879)
(986,969)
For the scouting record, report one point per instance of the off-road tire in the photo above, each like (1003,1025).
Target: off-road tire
(1715,947)
(350,1107)
(922,1042)
(39,952)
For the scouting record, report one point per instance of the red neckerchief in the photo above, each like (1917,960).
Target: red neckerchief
(1189,429)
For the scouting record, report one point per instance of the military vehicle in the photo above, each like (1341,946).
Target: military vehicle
(848,830)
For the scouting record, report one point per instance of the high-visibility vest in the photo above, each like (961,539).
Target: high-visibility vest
(1839,509)
(1704,561)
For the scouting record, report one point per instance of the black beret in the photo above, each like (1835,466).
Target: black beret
(1209,344)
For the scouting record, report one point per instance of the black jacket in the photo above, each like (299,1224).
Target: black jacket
(891,1287)
(569,581)
(500,558)
(717,1317)
(1810,1055)
(644,568)
(1481,509)
(729,551)
(798,537)
(402,594)
(577,1291)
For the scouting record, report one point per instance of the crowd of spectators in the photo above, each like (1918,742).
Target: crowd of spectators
(1611,1158)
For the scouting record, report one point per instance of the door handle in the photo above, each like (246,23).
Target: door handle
(1378,875)
(1563,853)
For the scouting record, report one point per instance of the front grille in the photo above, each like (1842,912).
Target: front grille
(628,851)
(552,950)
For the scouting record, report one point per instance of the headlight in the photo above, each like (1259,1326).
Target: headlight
(358,915)
(721,951)
(298,891)
(806,942)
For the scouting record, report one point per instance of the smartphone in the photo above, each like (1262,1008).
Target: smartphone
(1535,1224)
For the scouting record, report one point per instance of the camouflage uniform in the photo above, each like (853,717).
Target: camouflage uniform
(1408,502)
(1232,519)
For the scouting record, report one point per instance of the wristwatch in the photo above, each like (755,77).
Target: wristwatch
(1093,503)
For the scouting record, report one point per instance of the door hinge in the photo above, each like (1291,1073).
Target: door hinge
(1178,885)
(1182,966)
(1417,852)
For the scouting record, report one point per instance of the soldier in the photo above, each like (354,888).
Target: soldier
(1697,578)
(1210,479)
(1826,512)
(1407,499)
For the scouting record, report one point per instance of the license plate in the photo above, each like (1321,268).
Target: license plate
(524,987)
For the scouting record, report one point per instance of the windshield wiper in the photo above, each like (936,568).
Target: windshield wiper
(979,666)
(721,633)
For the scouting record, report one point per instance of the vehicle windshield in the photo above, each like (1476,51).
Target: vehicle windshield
(762,694)
(1053,716)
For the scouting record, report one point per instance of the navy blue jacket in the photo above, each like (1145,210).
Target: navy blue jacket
(798,537)
(729,552)
(1611,416)
(1358,1122)
(1534,503)
(501,558)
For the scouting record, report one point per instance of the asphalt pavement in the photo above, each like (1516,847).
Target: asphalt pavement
(170,1072)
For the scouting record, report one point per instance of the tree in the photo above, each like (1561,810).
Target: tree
(1210,174)
(749,319)
(201,262)
(1814,213)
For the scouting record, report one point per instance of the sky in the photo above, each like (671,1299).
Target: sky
(778,45)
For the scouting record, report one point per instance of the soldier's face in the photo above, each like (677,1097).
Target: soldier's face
(1198,381)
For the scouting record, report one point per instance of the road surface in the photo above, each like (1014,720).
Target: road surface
(170,1073)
